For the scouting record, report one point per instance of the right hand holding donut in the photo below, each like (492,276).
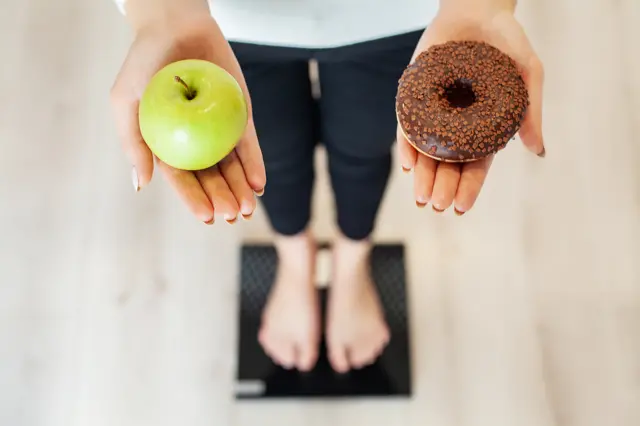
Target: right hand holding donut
(226,189)
(492,21)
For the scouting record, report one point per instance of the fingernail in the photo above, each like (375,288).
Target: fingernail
(422,201)
(210,222)
(230,219)
(246,209)
(134,179)
(437,210)
(542,153)
(247,216)
(458,212)
(405,170)
(420,205)
(260,192)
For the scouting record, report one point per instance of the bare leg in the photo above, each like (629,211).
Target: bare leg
(290,330)
(356,329)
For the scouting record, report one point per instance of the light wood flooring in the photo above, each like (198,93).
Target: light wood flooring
(118,309)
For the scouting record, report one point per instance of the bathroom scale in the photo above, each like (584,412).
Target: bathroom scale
(258,377)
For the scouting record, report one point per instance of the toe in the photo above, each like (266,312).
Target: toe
(271,346)
(284,354)
(385,337)
(307,356)
(338,359)
(265,342)
(382,342)
(367,350)
(281,352)
(365,354)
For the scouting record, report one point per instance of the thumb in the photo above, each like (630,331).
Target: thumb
(531,129)
(139,154)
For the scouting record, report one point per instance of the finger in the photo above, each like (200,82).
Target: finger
(406,153)
(250,155)
(234,174)
(471,180)
(531,129)
(189,190)
(126,119)
(424,178)
(217,190)
(445,186)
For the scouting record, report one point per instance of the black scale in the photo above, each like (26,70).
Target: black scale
(259,378)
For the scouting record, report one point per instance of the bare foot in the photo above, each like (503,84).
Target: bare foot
(290,330)
(356,330)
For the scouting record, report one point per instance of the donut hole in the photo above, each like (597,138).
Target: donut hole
(460,94)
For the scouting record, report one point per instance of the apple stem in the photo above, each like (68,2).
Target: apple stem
(190,94)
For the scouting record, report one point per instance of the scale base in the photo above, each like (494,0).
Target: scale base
(259,378)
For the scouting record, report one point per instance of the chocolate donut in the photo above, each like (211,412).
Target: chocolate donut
(461,101)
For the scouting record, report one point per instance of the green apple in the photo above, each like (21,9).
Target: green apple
(192,114)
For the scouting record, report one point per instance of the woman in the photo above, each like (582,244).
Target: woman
(361,48)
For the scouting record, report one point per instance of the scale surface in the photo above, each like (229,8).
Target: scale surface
(259,378)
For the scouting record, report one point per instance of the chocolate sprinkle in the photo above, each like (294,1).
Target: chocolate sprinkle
(461,101)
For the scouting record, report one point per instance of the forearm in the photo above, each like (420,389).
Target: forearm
(471,6)
(143,13)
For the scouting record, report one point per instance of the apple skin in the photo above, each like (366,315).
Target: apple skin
(192,134)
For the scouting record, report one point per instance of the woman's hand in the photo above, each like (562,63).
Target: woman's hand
(226,189)
(444,184)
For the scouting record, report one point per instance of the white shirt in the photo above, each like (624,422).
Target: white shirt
(318,23)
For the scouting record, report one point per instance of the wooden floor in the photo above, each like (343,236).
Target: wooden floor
(118,309)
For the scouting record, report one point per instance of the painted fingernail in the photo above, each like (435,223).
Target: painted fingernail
(405,170)
(210,222)
(458,212)
(260,192)
(134,179)
(230,219)
(437,210)
(542,153)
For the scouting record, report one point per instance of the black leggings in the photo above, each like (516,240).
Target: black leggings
(354,118)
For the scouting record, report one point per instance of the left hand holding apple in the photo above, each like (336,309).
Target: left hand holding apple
(211,179)
(492,21)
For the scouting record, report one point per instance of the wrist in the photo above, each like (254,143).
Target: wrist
(143,14)
(477,7)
